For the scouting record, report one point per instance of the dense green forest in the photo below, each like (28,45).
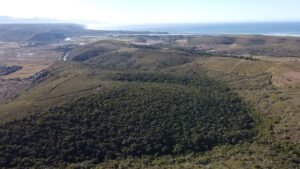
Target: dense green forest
(147,113)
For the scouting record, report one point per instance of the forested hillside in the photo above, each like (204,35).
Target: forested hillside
(153,114)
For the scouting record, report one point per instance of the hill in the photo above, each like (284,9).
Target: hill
(43,32)
(32,32)
(154,114)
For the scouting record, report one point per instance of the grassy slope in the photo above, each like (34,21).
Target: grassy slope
(280,102)
(66,82)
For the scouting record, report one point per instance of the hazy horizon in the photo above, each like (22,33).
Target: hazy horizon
(136,12)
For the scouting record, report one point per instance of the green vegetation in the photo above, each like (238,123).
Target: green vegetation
(248,155)
(165,114)
(6,70)
(118,104)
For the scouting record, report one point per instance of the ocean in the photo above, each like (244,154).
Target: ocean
(276,28)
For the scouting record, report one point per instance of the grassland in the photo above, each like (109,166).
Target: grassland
(256,82)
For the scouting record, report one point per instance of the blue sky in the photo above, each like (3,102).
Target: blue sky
(155,11)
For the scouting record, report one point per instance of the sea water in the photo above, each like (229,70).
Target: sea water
(270,28)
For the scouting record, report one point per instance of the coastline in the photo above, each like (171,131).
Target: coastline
(282,29)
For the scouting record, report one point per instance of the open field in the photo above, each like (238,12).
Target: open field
(286,72)
(32,59)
